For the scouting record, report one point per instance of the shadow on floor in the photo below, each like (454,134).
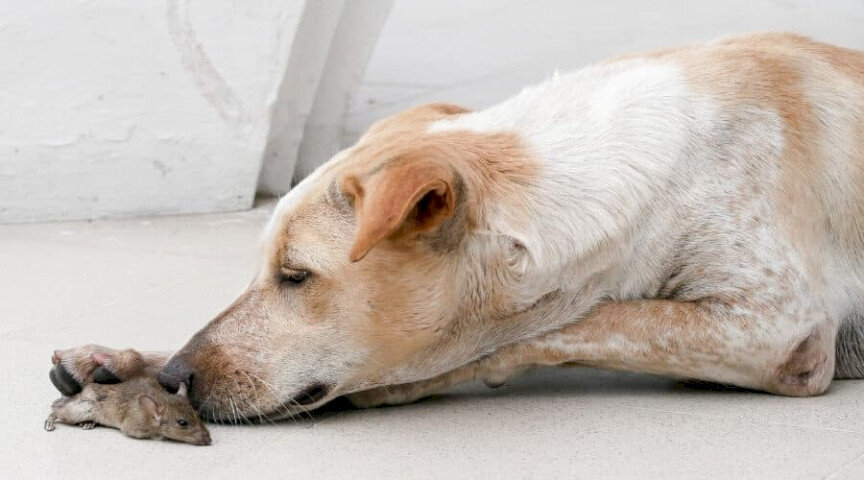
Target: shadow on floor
(548,382)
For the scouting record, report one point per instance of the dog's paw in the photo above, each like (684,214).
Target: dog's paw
(495,382)
(497,378)
(76,367)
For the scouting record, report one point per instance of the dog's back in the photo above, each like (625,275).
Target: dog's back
(770,128)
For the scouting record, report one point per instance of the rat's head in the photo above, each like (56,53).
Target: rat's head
(369,276)
(172,417)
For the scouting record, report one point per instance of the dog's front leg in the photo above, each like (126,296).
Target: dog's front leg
(76,367)
(748,347)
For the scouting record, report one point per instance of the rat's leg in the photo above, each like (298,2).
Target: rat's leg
(79,366)
(49,422)
(79,409)
(87,425)
(787,351)
(52,417)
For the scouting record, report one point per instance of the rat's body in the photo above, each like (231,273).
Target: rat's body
(140,408)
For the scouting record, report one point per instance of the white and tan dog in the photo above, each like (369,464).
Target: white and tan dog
(696,212)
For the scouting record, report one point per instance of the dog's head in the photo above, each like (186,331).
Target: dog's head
(369,273)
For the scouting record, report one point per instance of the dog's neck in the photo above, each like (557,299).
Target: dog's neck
(612,148)
(615,157)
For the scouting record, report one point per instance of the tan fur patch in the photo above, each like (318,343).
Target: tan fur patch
(768,71)
(422,186)
(492,163)
(487,166)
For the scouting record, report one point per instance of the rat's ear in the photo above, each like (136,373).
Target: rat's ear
(152,409)
(413,197)
(181,391)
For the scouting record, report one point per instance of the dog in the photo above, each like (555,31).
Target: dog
(696,212)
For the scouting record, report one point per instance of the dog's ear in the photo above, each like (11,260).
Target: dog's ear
(404,199)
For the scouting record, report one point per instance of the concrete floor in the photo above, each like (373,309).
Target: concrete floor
(150,283)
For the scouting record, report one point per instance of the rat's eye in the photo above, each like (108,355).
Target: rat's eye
(294,277)
(182,423)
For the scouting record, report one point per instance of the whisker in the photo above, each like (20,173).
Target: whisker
(258,412)
(268,387)
(283,409)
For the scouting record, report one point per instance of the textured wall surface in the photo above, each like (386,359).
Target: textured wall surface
(123,108)
(113,107)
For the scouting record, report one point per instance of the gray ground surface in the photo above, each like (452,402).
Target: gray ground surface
(151,283)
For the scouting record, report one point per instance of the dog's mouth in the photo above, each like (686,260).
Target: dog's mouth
(310,398)
(307,399)
(311,395)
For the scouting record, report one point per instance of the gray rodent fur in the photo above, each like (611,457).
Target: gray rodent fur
(139,407)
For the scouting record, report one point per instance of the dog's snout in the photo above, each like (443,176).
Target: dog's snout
(174,373)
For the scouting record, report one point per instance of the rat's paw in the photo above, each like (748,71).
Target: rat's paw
(49,423)
(87,425)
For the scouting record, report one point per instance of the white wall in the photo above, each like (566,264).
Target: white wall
(117,107)
(124,107)
(477,52)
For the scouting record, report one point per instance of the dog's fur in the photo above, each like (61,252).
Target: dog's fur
(696,212)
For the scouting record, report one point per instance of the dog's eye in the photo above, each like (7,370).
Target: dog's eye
(295,277)
(183,423)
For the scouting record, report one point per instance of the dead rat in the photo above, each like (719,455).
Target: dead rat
(139,407)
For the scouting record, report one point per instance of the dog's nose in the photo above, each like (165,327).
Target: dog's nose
(174,373)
